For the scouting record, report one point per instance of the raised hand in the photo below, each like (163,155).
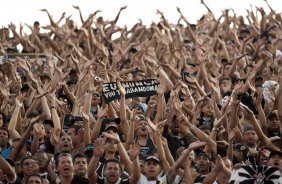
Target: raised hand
(112,136)
(103,112)
(133,152)
(121,88)
(197,144)
(98,147)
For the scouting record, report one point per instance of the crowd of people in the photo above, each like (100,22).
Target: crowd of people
(215,116)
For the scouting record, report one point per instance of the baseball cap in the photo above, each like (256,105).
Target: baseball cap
(152,158)
(88,150)
(139,105)
(248,127)
(241,147)
(275,153)
(111,125)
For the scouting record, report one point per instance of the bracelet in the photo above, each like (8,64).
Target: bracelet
(53,107)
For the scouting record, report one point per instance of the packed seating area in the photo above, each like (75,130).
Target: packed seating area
(166,103)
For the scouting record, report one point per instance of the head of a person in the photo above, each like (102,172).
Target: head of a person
(222,176)
(76,134)
(141,126)
(226,68)
(112,170)
(65,143)
(139,75)
(4,137)
(250,136)
(259,81)
(152,167)
(225,84)
(110,147)
(111,127)
(64,165)
(174,125)
(36,27)
(202,163)
(240,152)
(80,165)
(207,108)
(275,159)
(273,122)
(95,98)
(29,165)
(34,179)
(48,124)
(42,159)
(137,106)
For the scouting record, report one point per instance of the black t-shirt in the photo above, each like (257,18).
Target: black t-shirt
(174,143)
(147,150)
(79,180)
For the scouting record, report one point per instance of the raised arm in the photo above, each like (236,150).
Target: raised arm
(7,170)
(13,121)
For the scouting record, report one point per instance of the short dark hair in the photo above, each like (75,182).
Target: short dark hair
(78,155)
(28,157)
(5,129)
(115,161)
(34,174)
(62,155)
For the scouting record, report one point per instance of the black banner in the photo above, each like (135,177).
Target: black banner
(133,89)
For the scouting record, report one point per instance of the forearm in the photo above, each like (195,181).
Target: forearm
(34,144)
(160,108)
(124,158)
(96,130)
(12,124)
(45,107)
(211,177)
(7,170)
(56,119)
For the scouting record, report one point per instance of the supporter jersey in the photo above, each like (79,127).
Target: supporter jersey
(160,180)
(120,181)
(256,174)
(147,150)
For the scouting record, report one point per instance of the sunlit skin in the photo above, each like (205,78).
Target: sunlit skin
(202,165)
(276,161)
(80,166)
(250,138)
(152,169)
(34,180)
(112,172)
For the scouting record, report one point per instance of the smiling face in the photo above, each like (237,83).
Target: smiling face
(207,109)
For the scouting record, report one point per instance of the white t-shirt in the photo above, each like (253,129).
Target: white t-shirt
(143,180)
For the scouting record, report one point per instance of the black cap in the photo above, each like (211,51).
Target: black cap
(152,158)
(241,147)
(275,153)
